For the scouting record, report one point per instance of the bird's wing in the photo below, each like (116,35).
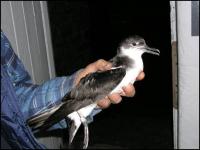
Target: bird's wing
(38,119)
(91,88)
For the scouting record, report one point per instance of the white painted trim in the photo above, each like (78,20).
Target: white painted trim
(48,41)
(31,61)
(14,29)
(174,69)
(188,79)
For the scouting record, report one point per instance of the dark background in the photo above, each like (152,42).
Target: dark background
(84,31)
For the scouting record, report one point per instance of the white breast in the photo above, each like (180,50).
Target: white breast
(131,75)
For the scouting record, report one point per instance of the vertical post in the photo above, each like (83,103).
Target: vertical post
(188,75)
(174,71)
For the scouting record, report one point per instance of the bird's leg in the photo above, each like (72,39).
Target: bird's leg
(83,113)
(86,132)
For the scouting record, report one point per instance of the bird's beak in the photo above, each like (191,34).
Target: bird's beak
(152,50)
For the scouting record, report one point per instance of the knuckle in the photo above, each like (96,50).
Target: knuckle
(100,61)
(116,100)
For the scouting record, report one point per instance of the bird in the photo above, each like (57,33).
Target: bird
(79,103)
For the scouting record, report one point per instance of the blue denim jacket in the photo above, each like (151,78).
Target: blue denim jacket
(21,99)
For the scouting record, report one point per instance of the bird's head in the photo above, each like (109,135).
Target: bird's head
(136,45)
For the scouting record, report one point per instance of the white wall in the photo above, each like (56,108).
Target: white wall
(26,25)
(188,79)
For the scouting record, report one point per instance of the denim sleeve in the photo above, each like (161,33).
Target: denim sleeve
(35,98)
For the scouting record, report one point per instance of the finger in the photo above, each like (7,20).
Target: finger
(93,67)
(108,66)
(115,98)
(129,90)
(141,76)
(104,103)
(102,64)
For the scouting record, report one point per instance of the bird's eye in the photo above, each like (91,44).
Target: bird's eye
(134,44)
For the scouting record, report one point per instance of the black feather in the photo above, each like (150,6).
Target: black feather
(91,88)
(121,60)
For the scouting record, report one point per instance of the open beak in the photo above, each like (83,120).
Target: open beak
(150,50)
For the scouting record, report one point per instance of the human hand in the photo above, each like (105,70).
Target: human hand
(115,98)
(99,65)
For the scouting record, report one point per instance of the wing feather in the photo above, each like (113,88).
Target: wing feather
(91,88)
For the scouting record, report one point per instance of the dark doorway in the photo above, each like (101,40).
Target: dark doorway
(84,31)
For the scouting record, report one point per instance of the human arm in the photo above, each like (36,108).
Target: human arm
(32,98)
